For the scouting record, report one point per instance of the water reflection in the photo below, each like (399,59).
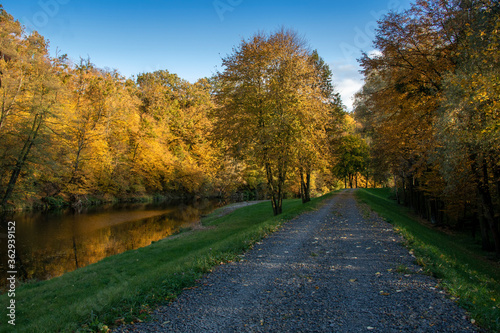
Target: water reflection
(50,244)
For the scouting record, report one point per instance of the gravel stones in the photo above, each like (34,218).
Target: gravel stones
(331,270)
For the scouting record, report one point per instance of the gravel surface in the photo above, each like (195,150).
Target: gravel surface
(331,270)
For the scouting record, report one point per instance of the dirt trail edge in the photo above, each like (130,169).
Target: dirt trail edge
(331,270)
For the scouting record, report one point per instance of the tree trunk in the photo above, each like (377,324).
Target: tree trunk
(489,208)
(483,229)
(496,174)
(397,189)
(403,191)
(23,155)
(276,188)
(305,186)
(480,171)
(428,208)
(74,252)
(308,186)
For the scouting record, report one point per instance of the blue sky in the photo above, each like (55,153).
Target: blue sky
(190,37)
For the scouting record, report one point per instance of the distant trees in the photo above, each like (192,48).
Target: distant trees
(430,106)
(272,109)
(351,157)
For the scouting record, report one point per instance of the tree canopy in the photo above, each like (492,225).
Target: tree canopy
(273,107)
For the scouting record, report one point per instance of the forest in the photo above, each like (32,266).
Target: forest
(430,112)
(270,124)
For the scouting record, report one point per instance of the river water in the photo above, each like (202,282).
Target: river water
(49,244)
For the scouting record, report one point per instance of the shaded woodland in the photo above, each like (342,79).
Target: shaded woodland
(430,112)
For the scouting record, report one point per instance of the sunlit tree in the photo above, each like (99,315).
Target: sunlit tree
(270,105)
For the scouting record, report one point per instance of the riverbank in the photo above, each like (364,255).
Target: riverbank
(59,241)
(125,288)
(85,201)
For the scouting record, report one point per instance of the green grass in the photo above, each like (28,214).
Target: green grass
(125,288)
(463,269)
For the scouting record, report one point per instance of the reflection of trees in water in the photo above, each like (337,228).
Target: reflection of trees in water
(60,256)
(45,257)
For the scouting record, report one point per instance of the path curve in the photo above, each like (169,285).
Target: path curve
(331,270)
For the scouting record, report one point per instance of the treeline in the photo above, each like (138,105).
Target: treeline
(430,110)
(70,132)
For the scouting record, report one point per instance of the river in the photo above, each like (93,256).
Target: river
(49,244)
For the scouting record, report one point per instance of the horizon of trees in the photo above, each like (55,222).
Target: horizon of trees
(73,133)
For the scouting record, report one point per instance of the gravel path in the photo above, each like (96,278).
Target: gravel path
(331,270)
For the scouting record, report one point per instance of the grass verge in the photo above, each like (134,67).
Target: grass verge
(125,288)
(462,268)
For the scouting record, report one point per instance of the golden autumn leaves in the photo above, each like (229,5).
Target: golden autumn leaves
(72,131)
(271,108)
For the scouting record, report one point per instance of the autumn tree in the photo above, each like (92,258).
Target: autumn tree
(315,148)
(351,159)
(269,104)
(175,133)
(29,97)
(416,48)
(430,102)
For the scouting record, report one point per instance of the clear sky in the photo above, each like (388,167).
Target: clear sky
(190,37)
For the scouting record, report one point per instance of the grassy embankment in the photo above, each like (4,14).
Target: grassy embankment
(455,259)
(125,288)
